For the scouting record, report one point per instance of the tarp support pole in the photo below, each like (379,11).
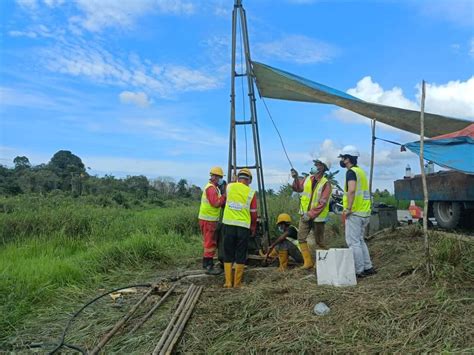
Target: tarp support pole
(423,179)
(372,156)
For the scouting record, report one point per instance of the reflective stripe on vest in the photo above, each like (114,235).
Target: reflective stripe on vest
(305,196)
(323,216)
(362,205)
(237,206)
(208,212)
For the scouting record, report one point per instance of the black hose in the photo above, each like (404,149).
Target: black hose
(66,328)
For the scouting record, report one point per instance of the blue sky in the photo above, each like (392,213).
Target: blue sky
(142,86)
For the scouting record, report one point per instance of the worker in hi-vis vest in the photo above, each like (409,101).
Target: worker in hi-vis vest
(315,191)
(240,222)
(212,201)
(357,210)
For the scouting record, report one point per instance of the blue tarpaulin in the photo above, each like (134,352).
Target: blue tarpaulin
(454,151)
(279,84)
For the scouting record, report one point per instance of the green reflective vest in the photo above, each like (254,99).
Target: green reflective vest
(208,212)
(237,207)
(316,194)
(362,205)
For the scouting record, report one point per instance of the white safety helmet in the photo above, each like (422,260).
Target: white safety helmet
(349,150)
(324,161)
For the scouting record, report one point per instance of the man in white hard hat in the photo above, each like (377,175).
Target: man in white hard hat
(212,201)
(357,210)
(314,207)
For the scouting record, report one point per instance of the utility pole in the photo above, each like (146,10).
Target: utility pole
(239,16)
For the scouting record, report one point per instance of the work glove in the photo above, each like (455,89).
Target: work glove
(305,217)
(294,173)
(222,187)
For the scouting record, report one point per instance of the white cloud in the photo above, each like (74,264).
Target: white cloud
(389,163)
(459,12)
(455,98)
(137,98)
(53,3)
(297,49)
(29,34)
(98,65)
(186,133)
(20,98)
(370,91)
(99,14)
(27,4)
(37,32)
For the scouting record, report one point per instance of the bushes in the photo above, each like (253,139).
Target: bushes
(51,243)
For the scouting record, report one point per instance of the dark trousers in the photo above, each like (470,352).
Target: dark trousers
(236,241)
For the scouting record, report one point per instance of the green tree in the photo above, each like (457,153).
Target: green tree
(21,162)
(138,185)
(285,190)
(66,165)
(182,188)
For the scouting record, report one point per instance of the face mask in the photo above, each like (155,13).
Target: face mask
(281,229)
(341,163)
(220,181)
(313,170)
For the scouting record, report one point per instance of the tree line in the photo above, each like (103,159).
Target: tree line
(66,173)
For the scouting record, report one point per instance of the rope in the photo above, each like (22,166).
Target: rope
(386,140)
(282,143)
(278,132)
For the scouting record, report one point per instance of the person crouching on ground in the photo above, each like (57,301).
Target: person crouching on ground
(286,244)
(240,222)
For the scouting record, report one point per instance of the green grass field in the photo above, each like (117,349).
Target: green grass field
(57,253)
(47,247)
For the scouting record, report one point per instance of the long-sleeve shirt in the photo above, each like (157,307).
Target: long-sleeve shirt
(298,186)
(213,197)
(253,214)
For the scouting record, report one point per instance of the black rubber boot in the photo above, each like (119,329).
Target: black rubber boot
(369,272)
(205,262)
(210,270)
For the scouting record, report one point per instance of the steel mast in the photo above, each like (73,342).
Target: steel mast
(238,14)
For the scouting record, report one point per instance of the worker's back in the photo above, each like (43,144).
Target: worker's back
(237,207)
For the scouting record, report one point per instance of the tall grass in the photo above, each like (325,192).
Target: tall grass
(44,250)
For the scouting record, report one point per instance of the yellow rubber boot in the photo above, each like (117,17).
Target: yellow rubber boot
(273,253)
(228,275)
(283,258)
(308,259)
(239,274)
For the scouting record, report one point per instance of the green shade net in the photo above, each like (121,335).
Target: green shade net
(278,84)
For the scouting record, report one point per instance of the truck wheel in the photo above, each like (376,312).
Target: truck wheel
(447,214)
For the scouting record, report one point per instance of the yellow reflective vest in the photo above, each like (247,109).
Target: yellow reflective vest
(362,205)
(316,194)
(208,212)
(323,216)
(237,207)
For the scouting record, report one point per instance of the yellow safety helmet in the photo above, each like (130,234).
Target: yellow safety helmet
(283,217)
(244,171)
(217,170)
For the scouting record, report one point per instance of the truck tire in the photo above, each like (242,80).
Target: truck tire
(447,214)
